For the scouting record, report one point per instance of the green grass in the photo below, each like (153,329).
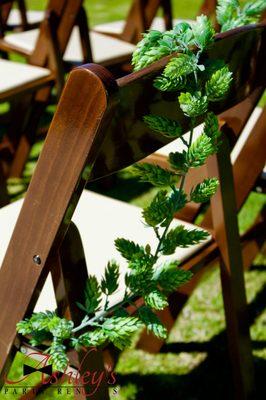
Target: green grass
(194,364)
(111,10)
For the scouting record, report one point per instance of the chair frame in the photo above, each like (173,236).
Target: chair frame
(80,127)
(7,7)
(32,98)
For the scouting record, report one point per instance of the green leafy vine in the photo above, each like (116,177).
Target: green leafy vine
(198,84)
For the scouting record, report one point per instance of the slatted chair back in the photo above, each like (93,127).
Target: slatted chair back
(23,23)
(141,15)
(98,129)
(61,16)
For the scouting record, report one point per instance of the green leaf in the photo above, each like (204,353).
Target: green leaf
(42,321)
(156,300)
(150,40)
(169,277)
(38,337)
(92,295)
(180,66)
(58,355)
(182,237)
(184,35)
(158,210)
(139,261)
(200,150)
(177,201)
(24,327)
(218,85)
(63,330)
(119,330)
(155,175)
(166,126)
(127,248)
(152,322)
(109,282)
(140,278)
(153,47)
(211,127)
(93,338)
(178,161)
(205,190)
(203,32)
(226,10)
(121,312)
(175,73)
(254,8)
(193,105)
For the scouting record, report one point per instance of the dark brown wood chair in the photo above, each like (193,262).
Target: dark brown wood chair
(84,45)
(143,16)
(18,18)
(97,131)
(28,86)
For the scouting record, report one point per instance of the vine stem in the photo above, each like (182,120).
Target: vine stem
(182,183)
(92,321)
(126,299)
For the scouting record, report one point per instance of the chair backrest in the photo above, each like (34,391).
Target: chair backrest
(208,7)
(98,129)
(5,8)
(61,16)
(141,15)
(128,136)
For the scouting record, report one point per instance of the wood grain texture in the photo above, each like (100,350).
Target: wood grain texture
(51,198)
(225,224)
(128,139)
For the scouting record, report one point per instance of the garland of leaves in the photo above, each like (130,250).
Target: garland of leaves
(200,84)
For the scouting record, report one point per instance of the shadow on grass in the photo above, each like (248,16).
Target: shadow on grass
(211,379)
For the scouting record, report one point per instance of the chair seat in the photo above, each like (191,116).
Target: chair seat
(33,17)
(100,221)
(118,26)
(104,49)
(14,75)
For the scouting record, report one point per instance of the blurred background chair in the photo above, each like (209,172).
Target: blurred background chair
(143,15)
(106,44)
(18,18)
(28,86)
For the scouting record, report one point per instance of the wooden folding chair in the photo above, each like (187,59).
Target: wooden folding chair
(83,46)
(142,16)
(98,129)
(18,18)
(28,86)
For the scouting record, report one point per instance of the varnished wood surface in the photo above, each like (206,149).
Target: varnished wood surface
(49,203)
(128,139)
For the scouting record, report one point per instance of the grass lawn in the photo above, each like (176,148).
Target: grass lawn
(100,11)
(195,363)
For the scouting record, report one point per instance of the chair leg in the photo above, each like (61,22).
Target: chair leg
(69,289)
(224,214)
(26,140)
